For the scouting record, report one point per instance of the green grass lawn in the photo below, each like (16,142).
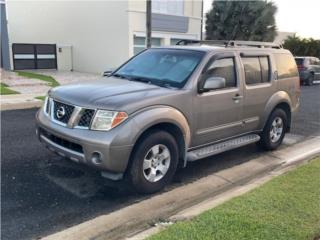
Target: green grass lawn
(4,90)
(287,207)
(52,82)
(41,98)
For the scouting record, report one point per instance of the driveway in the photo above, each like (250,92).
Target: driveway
(38,87)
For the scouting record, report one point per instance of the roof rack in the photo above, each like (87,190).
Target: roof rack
(231,43)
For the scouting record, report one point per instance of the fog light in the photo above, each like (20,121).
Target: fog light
(96,158)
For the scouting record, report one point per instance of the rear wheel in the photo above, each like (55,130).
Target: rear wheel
(274,130)
(154,162)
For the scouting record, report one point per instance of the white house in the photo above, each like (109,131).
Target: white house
(92,36)
(282,36)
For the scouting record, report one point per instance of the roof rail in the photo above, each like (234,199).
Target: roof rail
(231,43)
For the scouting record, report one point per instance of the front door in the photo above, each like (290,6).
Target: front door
(218,112)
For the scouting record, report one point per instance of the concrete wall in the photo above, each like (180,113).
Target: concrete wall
(96,30)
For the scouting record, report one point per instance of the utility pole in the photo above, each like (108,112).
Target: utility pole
(148,24)
(201,28)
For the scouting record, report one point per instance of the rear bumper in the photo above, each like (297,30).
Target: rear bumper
(83,146)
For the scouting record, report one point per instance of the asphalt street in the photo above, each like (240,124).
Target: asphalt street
(42,193)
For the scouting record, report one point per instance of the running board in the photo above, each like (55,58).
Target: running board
(221,147)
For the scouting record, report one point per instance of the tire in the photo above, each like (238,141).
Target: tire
(310,80)
(145,162)
(269,139)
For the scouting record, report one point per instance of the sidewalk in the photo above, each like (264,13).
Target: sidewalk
(29,88)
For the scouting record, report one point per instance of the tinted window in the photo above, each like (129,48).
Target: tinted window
(286,66)
(265,69)
(256,70)
(299,61)
(162,66)
(224,68)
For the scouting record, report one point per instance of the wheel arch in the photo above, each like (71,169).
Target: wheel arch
(166,119)
(280,100)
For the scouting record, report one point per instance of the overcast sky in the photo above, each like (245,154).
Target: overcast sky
(302,17)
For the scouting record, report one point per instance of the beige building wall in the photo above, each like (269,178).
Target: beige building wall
(96,30)
(98,35)
(137,22)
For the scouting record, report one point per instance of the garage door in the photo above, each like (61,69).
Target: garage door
(34,56)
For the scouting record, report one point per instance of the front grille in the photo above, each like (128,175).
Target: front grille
(62,112)
(61,142)
(86,118)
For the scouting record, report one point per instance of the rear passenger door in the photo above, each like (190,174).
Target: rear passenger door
(258,87)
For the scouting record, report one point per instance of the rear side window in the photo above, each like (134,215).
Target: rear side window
(256,70)
(286,66)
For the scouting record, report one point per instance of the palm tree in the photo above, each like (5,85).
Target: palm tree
(241,20)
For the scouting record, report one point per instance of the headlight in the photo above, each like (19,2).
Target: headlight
(106,120)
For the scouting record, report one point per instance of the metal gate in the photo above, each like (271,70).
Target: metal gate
(34,56)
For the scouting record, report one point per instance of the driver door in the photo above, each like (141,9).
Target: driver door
(218,112)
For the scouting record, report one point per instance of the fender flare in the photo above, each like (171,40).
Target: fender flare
(276,99)
(146,118)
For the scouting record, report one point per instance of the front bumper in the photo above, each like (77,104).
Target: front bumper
(82,145)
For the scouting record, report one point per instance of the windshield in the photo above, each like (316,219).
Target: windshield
(162,66)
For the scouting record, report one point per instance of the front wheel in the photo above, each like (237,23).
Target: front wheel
(154,162)
(274,130)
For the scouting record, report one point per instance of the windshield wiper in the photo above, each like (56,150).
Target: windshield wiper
(140,79)
(117,75)
(163,83)
(132,78)
(159,82)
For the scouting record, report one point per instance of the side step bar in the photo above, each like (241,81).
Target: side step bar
(222,147)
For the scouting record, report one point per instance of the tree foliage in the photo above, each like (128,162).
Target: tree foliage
(303,46)
(241,20)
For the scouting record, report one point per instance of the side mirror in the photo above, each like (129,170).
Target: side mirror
(212,83)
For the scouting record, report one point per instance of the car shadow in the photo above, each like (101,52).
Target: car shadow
(84,182)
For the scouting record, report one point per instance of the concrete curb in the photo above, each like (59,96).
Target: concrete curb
(23,105)
(20,101)
(195,197)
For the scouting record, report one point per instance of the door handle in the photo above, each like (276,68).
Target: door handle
(237,97)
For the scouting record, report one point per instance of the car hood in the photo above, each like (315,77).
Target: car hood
(112,94)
